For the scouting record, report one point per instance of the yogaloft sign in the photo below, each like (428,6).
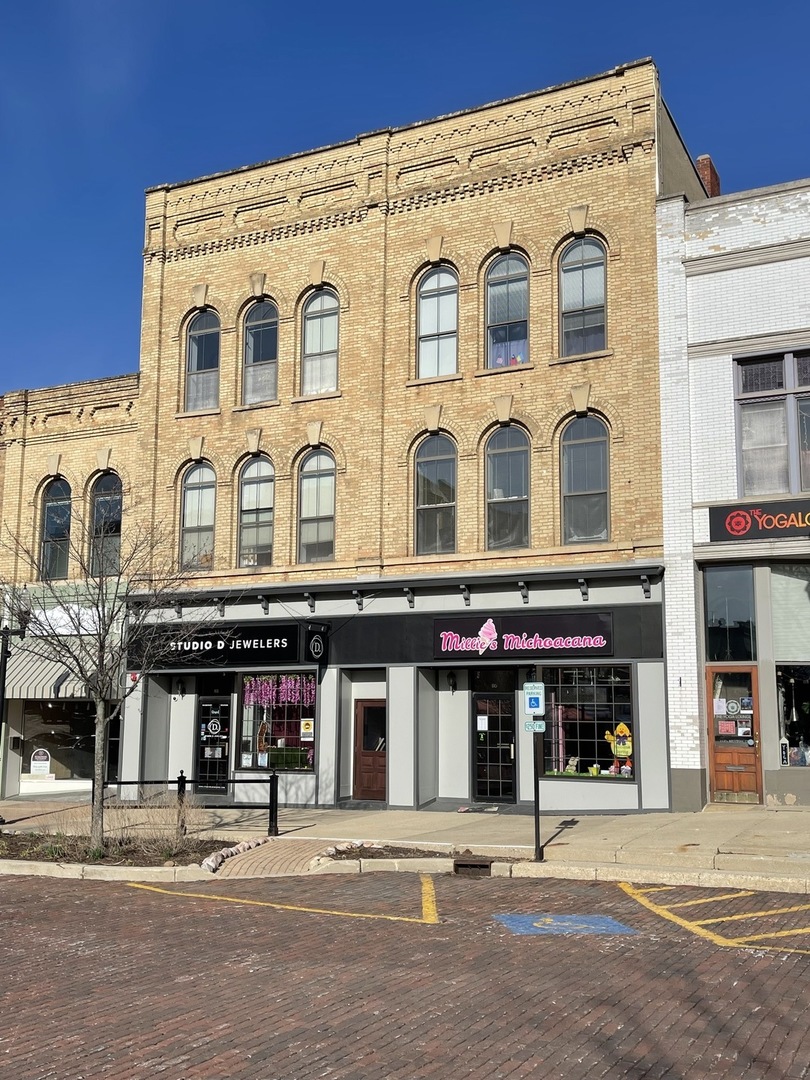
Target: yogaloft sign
(768,521)
(524,636)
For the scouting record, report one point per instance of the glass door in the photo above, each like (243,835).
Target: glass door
(493,740)
(214,727)
(736,772)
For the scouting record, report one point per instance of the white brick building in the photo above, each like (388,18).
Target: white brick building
(734,296)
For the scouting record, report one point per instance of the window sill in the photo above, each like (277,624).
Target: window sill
(601,354)
(198,412)
(503,370)
(270,404)
(455,377)
(317,397)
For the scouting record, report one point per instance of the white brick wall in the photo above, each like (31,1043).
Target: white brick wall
(743,297)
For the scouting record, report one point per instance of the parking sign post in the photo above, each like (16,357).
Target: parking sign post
(534,705)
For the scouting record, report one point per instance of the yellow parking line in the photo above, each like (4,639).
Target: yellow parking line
(754,914)
(712,899)
(698,928)
(776,933)
(430,915)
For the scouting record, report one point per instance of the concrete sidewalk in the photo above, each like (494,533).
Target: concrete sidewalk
(732,846)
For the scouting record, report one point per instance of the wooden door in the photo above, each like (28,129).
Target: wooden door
(369,750)
(736,770)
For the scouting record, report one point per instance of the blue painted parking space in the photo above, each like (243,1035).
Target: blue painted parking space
(563,924)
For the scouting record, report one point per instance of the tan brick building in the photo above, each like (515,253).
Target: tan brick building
(395,392)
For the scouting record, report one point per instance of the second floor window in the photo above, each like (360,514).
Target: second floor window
(202,366)
(773,399)
(320,354)
(256,514)
(316,501)
(507,312)
(105,554)
(582,298)
(438,324)
(435,496)
(261,354)
(55,530)
(508,489)
(197,525)
(584,454)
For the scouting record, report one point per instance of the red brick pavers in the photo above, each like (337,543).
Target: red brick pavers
(101,980)
(279,857)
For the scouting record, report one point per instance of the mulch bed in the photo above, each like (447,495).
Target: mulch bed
(41,847)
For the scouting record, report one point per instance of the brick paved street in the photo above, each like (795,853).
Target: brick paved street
(106,980)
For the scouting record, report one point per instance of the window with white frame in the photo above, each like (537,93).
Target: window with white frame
(584,467)
(507,459)
(320,353)
(507,312)
(582,298)
(435,496)
(202,363)
(197,527)
(438,324)
(316,513)
(773,403)
(261,354)
(256,486)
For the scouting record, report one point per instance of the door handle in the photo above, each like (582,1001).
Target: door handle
(512,751)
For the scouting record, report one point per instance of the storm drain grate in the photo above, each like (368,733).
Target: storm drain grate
(472,866)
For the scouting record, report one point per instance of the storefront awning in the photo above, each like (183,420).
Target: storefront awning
(31,677)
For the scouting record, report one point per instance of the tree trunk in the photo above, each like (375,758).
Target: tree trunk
(97,809)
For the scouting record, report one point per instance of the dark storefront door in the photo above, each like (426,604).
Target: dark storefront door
(369,751)
(214,729)
(493,737)
(734,735)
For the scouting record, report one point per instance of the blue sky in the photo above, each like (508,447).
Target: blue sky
(100,99)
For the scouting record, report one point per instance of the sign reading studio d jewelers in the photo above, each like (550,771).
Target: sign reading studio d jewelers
(766,521)
(529,636)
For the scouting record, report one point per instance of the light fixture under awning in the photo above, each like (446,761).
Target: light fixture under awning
(31,677)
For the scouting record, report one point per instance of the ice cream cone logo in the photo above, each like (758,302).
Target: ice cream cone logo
(487,637)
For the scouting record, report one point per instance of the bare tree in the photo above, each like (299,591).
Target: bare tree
(99,584)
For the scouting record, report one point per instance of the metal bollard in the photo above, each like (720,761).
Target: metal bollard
(272,828)
(181,804)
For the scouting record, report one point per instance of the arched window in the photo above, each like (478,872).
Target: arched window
(202,369)
(261,354)
(584,457)
(197,527)
(582,297)
(316,513)
(55,530)
(320,355)
(508,489)
(438,324)
(507,312)
(106,498)
(435,496)
(256,513)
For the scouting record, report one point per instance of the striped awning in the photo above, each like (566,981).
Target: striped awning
(31,677)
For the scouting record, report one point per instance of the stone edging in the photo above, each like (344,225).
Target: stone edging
(213,862)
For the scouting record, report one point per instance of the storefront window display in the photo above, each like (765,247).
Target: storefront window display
(793,687)
(67,732)
(278,721)
(589,722)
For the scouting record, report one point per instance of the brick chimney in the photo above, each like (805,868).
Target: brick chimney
(708,175)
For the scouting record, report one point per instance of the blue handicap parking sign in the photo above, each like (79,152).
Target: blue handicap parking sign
(534,704)
(563,924)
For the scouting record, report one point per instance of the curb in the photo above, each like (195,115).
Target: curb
(95,872)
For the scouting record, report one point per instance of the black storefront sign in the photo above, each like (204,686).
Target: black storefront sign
(767,521)
(517,637)
(233,645)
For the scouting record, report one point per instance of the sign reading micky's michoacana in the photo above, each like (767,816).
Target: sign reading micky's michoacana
(524,636)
